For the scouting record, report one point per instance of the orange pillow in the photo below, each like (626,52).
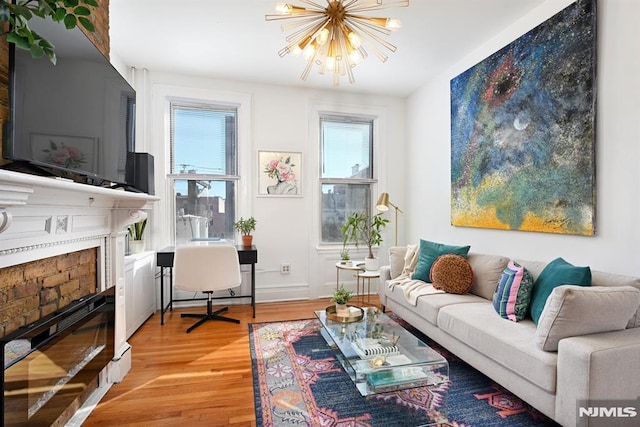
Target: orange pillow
(452,274)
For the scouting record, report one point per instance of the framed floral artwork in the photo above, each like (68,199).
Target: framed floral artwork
(279,174)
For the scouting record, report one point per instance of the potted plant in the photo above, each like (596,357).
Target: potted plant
(136,236)
(364,229)
(341,297)
(345,258)
(245,227)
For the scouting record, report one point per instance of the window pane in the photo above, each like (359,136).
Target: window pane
(204,210)
(346,149)
(203,139)
(338,202)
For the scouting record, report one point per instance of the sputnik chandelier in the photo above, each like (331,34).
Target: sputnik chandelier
(336,37)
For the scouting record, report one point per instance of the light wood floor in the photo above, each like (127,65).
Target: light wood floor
(198,379)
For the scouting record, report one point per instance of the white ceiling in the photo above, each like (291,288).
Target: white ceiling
(230,39)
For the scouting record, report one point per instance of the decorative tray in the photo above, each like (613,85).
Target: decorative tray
(355,314)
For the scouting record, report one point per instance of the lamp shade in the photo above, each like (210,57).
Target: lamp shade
(383,202)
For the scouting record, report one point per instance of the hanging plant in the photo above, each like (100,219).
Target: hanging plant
(71,12)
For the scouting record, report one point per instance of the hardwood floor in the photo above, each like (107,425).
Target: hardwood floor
(199,379)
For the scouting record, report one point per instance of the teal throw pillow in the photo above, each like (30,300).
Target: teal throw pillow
(558,272)
(429,252)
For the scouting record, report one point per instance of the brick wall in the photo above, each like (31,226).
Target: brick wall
(32,290)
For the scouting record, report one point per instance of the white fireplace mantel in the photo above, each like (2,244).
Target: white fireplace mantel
(41,217)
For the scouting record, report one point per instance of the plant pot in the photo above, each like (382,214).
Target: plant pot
(247,241)
(342,310)
(371,264)
(136,246)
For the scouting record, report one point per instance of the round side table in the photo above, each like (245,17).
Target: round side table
(355,266)
(365,275)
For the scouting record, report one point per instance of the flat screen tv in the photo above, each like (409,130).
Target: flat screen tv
(73,118)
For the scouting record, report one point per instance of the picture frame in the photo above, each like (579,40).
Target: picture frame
(279,173)
(69,152)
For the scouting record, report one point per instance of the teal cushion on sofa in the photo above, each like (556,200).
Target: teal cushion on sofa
(429,252)
(558,272)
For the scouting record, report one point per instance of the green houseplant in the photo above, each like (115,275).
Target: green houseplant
(245,227)
(71,12)
(136,236)
(363,229)
(341,297)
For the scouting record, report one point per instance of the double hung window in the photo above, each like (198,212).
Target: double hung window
(204,165)
(346,171)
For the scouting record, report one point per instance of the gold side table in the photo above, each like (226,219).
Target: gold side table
(355,266)
(365,275)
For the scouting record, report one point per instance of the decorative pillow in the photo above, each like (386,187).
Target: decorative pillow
(452,274)
(512,296)
(429,252)
(557,272)
(396,260)
(575,310)
(402,260)
(487,270)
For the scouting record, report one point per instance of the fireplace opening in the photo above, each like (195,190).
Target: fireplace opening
(49,363)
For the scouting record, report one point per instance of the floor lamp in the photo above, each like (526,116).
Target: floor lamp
(383,206)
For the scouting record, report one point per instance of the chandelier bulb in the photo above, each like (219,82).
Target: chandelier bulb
(355,58)
(283,9)
(393,24)
(354,40)
(323,36)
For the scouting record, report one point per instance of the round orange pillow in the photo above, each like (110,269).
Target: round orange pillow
(452,274)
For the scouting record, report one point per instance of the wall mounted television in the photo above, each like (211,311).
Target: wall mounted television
(75,118)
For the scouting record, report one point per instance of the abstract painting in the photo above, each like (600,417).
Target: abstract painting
(523,131)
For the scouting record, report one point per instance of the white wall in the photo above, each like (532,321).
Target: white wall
(279,119)
(615,247)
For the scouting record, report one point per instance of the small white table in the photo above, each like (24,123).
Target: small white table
(365,275)
(355,266)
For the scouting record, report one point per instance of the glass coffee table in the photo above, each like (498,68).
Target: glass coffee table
(380,355)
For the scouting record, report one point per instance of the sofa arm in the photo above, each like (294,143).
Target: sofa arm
(596,367)
(385,274)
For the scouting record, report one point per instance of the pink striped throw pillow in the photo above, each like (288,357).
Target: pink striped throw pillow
(513,293)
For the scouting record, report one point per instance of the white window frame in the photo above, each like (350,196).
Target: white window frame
(369,181)
(162,95)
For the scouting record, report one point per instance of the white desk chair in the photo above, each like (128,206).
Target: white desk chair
(207,268)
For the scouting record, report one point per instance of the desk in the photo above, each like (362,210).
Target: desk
(164,260)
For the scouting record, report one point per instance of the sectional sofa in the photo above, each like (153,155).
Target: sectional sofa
(593,330)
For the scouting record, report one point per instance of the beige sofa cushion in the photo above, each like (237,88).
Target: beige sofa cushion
(487,270)
(509,344)
(575,310)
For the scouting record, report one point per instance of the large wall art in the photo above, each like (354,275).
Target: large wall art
(523,131)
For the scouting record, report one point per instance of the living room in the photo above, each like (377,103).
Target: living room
(282,119)
(414,132)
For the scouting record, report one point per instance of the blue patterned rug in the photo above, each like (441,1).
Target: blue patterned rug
(297,381)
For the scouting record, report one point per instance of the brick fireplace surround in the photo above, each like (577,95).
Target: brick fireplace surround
(61,240)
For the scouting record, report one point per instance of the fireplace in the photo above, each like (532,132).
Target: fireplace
(49,363)
(40,218)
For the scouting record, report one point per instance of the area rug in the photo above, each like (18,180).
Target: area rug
(298,381)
